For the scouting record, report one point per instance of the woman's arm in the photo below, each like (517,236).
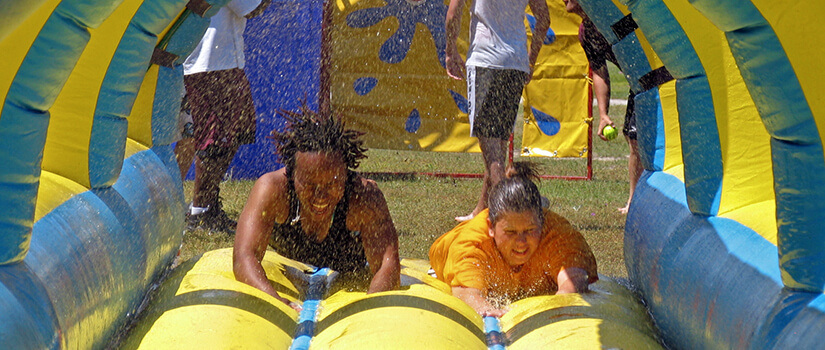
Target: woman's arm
(475,298)
(252,236)
(570,260)
(372,218)
(572,280)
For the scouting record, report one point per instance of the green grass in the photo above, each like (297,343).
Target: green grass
(424,207)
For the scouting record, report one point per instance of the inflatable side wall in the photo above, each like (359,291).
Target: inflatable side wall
(90,193)
(723,238)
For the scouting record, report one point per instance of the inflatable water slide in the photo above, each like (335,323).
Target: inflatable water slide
(721,240)
(92,209)
(202,303)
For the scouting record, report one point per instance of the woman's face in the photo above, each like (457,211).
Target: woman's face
(517,236)
(320,178)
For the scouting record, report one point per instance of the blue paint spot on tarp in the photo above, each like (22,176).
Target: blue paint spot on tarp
(413,121)
(551,35)
(460,101)
(548,125)
(408,14)
(363,86)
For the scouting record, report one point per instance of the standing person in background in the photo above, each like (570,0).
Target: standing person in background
(223,112)
(598,52)
(498,66)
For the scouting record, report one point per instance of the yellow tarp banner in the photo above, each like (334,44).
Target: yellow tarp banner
(557,100)
(387,78)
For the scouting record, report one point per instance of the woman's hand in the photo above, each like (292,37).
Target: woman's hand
(493,312)
(475,298)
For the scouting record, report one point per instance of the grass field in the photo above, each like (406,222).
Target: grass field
(424,207)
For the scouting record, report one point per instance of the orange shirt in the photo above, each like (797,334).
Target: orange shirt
(466,256)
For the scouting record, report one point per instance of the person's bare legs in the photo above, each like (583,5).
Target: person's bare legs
(634,171)
(209,172)
(494,152)
(185,153)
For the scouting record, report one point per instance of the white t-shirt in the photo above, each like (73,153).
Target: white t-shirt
(222,45)
(498,37)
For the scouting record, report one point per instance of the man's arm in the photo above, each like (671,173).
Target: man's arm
(251,238)
(259,10)
(601,88)
(542,15)
(453,60)
(378,236)
(475,298)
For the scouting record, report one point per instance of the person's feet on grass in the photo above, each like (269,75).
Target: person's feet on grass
(467,217)
(219,221)
(471,215)
(481,205)
(625,209)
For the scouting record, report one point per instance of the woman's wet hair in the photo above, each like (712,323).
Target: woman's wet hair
(308,131)
(516,192)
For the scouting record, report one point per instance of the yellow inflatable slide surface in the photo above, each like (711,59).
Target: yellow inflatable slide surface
(201,304)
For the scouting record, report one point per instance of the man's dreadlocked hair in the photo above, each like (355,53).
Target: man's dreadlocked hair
(308,131)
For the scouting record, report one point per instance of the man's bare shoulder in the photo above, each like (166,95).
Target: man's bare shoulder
(366,202)
(365,191)
(270,192)
(274,180)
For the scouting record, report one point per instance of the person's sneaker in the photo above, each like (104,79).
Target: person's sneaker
(215,219)
(193,222)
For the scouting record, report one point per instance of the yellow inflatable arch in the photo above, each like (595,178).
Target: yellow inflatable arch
(722,240)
